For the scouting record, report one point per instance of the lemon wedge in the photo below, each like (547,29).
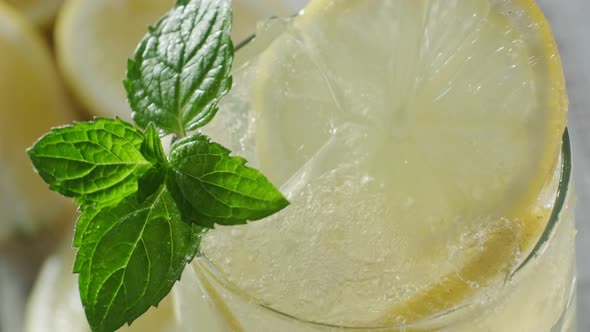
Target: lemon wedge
(32,100)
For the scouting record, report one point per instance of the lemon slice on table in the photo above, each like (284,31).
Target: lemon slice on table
(413,139)
(40,12)
(32,100)
(96,37)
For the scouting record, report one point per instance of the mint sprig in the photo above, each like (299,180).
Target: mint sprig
(143,212)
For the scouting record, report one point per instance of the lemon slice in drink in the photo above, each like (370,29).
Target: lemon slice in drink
(413,139)
(96,37)
(32,100)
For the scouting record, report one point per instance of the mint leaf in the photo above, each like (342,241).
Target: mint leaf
(81,224)
(210,187)
(130,256)
(151,147)
(150,182)
(182,67)
(95,162)
(152,150)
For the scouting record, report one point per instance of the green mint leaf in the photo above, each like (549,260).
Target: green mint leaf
(98,163)
(150,182)
(182,67)
(210,187)
(152,150)
(81,225)
(130,255)
(151,147)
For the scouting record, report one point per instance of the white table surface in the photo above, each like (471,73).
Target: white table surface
(569,19)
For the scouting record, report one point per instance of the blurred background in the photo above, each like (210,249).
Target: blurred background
(64,60)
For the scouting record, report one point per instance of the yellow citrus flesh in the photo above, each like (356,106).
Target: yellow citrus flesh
(40,12)
(414,139)
(31,101)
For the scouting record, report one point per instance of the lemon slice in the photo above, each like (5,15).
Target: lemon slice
(31,101)
(413,139)
(40,12)
(96,37)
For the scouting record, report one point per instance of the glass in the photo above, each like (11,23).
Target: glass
(538,296)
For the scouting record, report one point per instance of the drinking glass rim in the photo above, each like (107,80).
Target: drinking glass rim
(560,199)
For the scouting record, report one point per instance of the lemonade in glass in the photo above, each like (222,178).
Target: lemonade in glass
(422,147)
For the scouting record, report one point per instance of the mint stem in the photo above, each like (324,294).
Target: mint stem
(175,138)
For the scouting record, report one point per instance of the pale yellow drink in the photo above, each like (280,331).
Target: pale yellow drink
(419,145)
(539,295)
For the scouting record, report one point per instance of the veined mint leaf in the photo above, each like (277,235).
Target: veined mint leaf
(83,220)
(182,67)
(151,147)
(152,150)
(150,182)
(130,255)
(95,162)
(210,187)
